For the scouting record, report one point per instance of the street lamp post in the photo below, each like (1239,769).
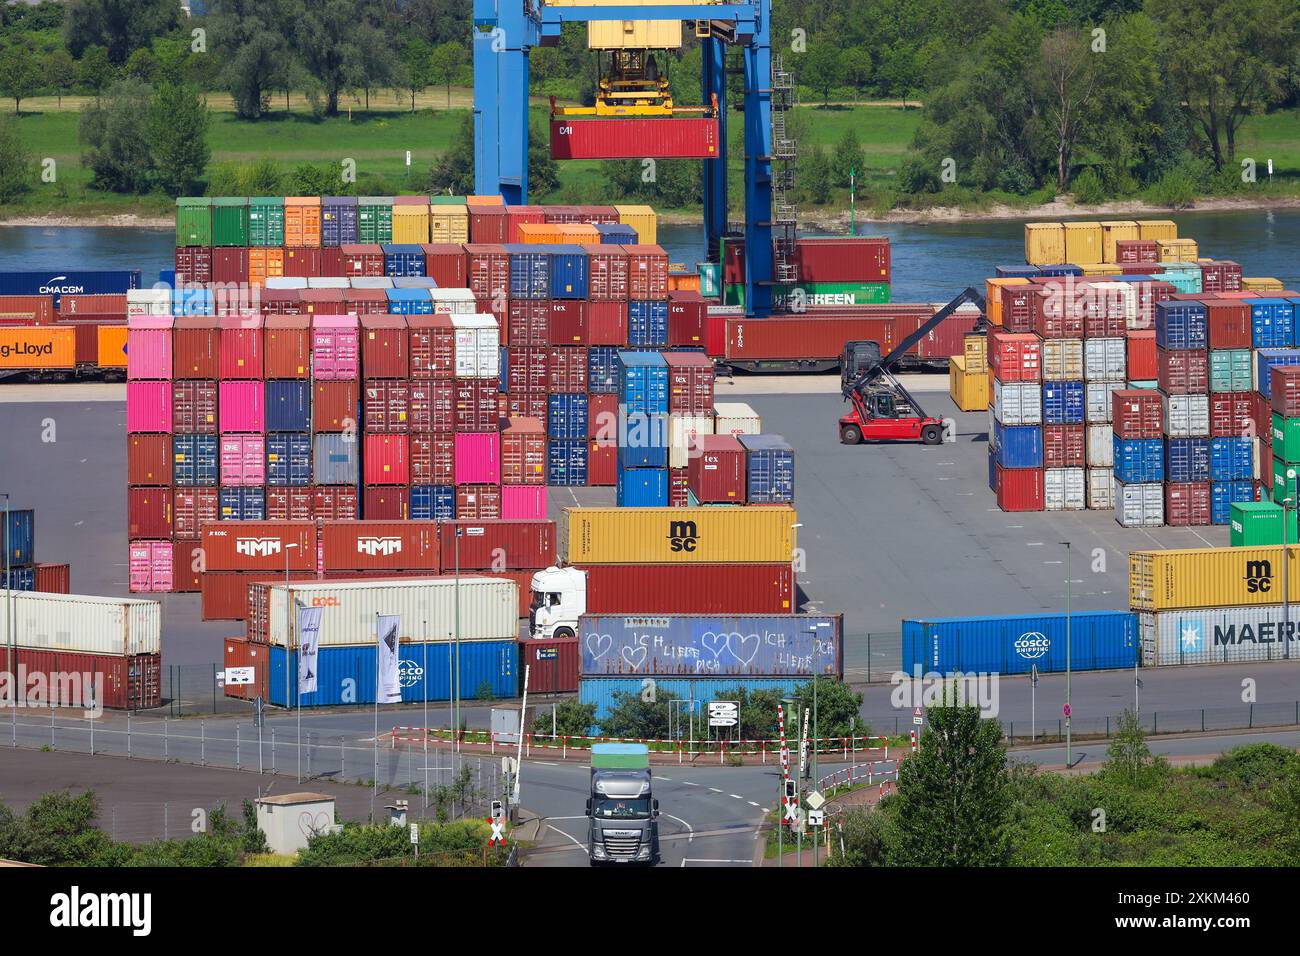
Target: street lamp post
(288,646)
(1068,662)
(9,630)
(455,730)
(1287,503)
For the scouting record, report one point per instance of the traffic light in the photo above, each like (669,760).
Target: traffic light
(498,810)
(791,791)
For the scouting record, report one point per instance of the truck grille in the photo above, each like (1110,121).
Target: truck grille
(622,846)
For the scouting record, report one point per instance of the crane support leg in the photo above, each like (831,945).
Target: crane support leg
(501,111)
(714,83)
(759,266)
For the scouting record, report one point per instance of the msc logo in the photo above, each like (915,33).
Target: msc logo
(682,535)
(1032,645)
(378,546)
(1259,577)
(324,602)
(257,547)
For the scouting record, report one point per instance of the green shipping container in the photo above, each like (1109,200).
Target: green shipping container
(266,221)
(1286,438)
(374,220)
(1284,480)
(710,280)
(1230,370)
(620,757)
(230,221)
(193,221)
(446,200)
(818,293)
(1259,523)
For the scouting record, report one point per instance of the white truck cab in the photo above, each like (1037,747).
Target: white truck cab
(559,599)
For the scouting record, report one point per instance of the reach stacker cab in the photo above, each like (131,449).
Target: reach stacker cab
(882,409)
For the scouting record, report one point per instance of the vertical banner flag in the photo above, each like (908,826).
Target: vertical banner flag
(308,646)
(390,684)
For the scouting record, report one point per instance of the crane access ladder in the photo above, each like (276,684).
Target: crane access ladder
(785,155)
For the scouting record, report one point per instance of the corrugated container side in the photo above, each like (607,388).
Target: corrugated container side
(91,625)
(1099,640)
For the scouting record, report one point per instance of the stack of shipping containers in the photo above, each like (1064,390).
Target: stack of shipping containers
(18,556)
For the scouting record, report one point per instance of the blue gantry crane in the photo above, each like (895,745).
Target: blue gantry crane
(506,30)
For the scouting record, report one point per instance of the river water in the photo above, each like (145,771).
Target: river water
(932,263)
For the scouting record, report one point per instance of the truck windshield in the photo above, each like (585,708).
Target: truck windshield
(537,601)
(609,808)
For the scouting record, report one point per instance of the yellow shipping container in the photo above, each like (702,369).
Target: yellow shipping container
(449,224)
(1210,577)
(411,224)
(969,390)
(1262,285)
(38,346)
(111,352)
(1157,229)
(1177,250)
(993,296)
(1044,243)
(643,219)
(1083,242)
(484,201)
(1100,268)
(1114,231)
(722,534)
(975,348)
(634,34)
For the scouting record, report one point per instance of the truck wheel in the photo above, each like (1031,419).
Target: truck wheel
(564,632)
(850,435)
(932,434)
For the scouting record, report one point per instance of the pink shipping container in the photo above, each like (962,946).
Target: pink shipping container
(148,407)
(523,502)
(243,460)
(335,347)
(241,347)
(387,460)
(241,406)
(478,458)
(150,566)
(149,347)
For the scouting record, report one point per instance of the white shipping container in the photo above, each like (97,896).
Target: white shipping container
(285,282)
(148,302)
(489,609)
(736,418)
(1101,446)
(1105,360)
(1017,403)
(371,282)
(453,302)
(1221,635)
(1064,489)
(478,341)
(87,625)
(1063,360)
(329,282)
(1140,506)
(1097,396)
(682,432)
(1116,298)
(1186,416)
(1101,489)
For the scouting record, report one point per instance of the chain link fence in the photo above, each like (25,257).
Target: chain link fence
(189,690)
(872,658)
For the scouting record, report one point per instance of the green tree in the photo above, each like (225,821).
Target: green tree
(816,175)
(633,716)
(58,829)
(326,39)
(446,62)
(953,803)
(20,74)
(142,65)
(371,63)
(1128,758)
(115,141)
(254,38)
(1066,77)
(820,68)
(60,73)
(120,26)
(568,719)
(838,708)
(178,137)
(17,169)
(865,835)
(417,68)
(847,159)
(453,172)
(94,71)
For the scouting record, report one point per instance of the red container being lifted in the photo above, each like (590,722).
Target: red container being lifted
(690,589)
(489,545)
(717,474)
(385,346)
(1136,413)
(379,545)
(815,339)
(629,138)
(842,259)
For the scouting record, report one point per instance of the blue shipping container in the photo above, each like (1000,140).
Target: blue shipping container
(769,469)
(1187,459)
(193,300)
(1272,323)
(1061,270)
(503,363)
(1232,459)
(701,645)
(1019,446)
(78,282)
(409,301)
(242,504)
(993,469)
(18,538)
(647,324)
(288,406)
(642,440)
(566,461)
(642,488)
(602,369)
(338,220)
(433,503)
(1099,640)
(530,271)
(1266,359)
(1182,325)
(347,674)
(569,272)
(1062,403)
(643,382)
(1139,460)
(335,459)
(616,234)
(566,415)
(403,260)
(1017,272)
(195,461)
(1223,494)
(288,460)
(18,579)
(604,691)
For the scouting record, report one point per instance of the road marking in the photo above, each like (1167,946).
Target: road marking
(753,804)
(543,763)
(566,836)
(1033,544)
(689,784)
(714,790)
(689,829)
(1053,562)
(735,796)
(686,860)
(668,779)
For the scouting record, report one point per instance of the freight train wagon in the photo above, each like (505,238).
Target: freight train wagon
(60,353)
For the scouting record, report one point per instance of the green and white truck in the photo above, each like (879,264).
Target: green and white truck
(623,815)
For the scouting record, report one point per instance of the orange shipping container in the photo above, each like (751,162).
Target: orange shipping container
(46,347)
(539,232)
(302,221)
(264,262)
(112,346)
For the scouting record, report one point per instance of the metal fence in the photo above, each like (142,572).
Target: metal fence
(872,658)
(189,690)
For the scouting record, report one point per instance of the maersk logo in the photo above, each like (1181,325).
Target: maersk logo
(379,546)
(257,547)
(1032,646)
(1191,637)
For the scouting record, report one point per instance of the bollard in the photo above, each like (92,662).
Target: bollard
(203,744)
(342,758)
(275,767)
(237,765)
(91,721)
(167,750)
(128,739)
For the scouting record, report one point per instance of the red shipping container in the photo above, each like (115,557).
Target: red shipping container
(816,338)
(1136,250)
(1142,364)
(433,459)
(715,337)
(260,546)
(526,404)
(225,594)
(1284,386)
(1105,314)
(230,265)
(1232,415)
(552,665)
(387,460)
(600,215)
(690,589)
(517,216)
(1063,446)
(1149,293)
(241,347)
(633,138)
(447,265)
(194,408)
(385,347)
(187,560)
(647,272)
(361,259)
(148,513)
(74,306)
(718,473)
(1220,277)
(607,273)
(1057,315)
(432,406)
(1229,324)
(690,383)
(687,317)
(477,408)
(193,265)
(323,302)
(1183,372)
(192,508)
(289,504)
(379,545)
(1187,504)
(432,344)
(1136,413)
(602,417)
(1015,356)
(488,224)
(26,310)
(196,347)
(387,406)
(679,487)
(243,653)
(1262,415)
(386,503)
(489,271)
(1019,489)
(286,344)
(566,322)
(842,259)
(149,459)
(365,301)
(86,339)
(523,452)
(567,369)
(334,503)
(331,261)
(528,369)
(120,682)
(486,545)
(602,464)
(334,406)
(528,323)
(607,323)
(280,301)
(303,262)
(478,502)
(53,579)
